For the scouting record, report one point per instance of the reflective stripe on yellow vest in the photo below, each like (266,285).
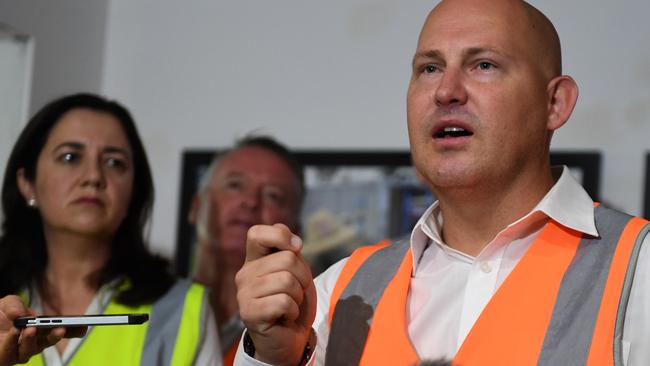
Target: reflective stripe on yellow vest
(172,335)
(563,304)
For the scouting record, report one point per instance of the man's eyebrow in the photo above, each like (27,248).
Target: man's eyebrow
(469,52)
(233,173)
(429,54)
(473,51)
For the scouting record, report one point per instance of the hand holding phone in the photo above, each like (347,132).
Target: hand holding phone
(18,345)
(79,320)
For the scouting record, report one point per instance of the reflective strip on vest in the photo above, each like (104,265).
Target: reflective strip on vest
(171,336)
(354,311)
(569,334)
(563,304)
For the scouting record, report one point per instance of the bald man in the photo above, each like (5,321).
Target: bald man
(513,265)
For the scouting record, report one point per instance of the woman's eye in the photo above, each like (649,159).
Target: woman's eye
(68,157)
(115,163)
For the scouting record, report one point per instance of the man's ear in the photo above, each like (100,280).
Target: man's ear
(24,185)
(562,96)
(194,209)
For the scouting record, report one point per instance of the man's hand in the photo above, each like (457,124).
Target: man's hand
(18,345)
(276,294)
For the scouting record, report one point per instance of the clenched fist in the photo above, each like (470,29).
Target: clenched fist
(276,294)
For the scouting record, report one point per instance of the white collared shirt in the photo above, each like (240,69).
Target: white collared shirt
(453,288)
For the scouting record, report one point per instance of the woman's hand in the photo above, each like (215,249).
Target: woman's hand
(18,345)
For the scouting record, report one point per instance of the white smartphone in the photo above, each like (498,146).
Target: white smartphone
(79,320)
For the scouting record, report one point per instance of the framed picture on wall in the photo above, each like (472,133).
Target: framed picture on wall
(348,197)
(353,197)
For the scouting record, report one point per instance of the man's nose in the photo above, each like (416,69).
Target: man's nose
(250,198)
(451,89)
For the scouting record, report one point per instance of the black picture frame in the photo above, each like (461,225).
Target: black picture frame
(588,162)
(195,161)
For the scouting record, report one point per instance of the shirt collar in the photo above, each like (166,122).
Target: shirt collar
(566,203)
(569,204)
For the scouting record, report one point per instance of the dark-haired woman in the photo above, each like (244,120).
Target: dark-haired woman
(76,196)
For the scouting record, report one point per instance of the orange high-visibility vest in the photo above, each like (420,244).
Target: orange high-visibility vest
(563,304)
(229,354)
(229,336)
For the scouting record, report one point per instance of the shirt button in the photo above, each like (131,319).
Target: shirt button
(486,267)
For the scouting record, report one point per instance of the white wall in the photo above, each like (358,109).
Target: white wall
(321,74)
(69,37)
(604,45)
(16,52)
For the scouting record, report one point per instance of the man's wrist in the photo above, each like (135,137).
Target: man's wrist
(249,347)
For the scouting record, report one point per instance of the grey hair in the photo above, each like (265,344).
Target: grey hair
(267,143)
(206,176)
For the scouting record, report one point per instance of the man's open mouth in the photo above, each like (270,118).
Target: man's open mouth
(452,131)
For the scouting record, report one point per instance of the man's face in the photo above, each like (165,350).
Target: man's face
(251,186)
(477,100)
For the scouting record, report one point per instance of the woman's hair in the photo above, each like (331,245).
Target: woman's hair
(23,254)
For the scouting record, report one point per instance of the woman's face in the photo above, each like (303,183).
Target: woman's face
(84,175)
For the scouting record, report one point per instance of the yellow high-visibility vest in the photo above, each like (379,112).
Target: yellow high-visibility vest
(172,335)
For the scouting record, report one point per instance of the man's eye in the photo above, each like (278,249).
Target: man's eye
(485,65)
(233,184)
(275,197)
(430,69)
